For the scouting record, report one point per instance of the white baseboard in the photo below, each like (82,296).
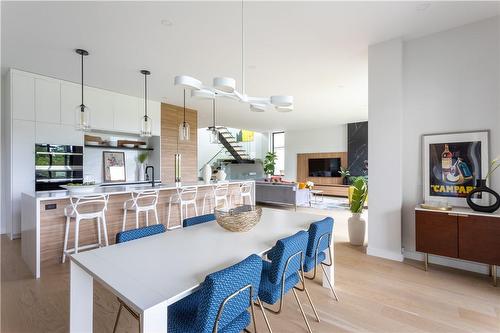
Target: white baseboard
(451,262)
(384,254)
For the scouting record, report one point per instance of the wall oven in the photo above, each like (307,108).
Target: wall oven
(57,165)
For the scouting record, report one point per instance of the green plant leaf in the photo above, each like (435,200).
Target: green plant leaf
(358,195)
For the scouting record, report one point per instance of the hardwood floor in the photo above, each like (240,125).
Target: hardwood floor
(376,295)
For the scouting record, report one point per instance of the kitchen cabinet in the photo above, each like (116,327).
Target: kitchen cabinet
(22,96)
(48,100)
(23,167)
(126,113)
(58,134)
(100,104)
(71,98)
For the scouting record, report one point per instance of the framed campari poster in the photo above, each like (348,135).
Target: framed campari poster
(452,163)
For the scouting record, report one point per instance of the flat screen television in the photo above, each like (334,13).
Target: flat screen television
(324,167)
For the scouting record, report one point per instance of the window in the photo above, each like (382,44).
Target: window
(278,142)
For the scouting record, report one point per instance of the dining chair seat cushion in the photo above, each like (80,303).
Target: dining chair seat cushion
(182,317)
(270,292)
(188,222)
(129,235)
(309,261)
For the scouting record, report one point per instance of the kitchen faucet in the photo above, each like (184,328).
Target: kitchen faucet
(152,174)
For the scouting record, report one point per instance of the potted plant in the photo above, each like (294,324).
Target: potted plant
(344,175)
(356,224)
(270,163)
(142,159)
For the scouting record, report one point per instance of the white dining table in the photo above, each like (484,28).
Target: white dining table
(153,272)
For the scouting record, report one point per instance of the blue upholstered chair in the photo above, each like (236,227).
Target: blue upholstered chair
(130,235)
(222,301)
(320,237)
(284,272)
(190,221)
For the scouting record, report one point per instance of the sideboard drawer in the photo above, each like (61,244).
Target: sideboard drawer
(436,233)
(479,239)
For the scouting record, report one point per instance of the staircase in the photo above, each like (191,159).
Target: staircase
(235,149)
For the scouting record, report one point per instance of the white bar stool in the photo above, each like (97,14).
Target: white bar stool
(219,194)
(87,207)
(141,201)
(184,197)
(246,192)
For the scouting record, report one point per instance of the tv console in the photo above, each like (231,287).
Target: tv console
(329,185)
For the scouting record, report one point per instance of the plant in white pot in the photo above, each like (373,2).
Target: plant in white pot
(142,159)
(356,224)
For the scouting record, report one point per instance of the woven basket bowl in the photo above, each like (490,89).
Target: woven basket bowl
(239,221)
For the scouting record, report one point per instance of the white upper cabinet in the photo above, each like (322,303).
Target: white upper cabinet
(71,98)
(23,96)
(48,100)
(126,113)
(100,104)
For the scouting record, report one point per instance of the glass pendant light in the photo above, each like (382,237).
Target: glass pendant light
(213,135)
(184,131)
(146,120)
(82,112)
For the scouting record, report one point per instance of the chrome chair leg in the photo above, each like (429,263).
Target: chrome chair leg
(310,300)
(330,284)
(261,306)
(302,310)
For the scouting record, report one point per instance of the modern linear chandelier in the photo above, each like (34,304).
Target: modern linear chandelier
(226,86)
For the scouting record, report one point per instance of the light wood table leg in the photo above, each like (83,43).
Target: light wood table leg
(81,300)
(155,319)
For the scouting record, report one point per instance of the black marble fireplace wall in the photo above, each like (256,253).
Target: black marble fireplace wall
(357,148)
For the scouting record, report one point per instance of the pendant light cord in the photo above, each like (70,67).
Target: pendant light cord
(242,51)
(145,96)
(82,106)
(184,122)
(213,113)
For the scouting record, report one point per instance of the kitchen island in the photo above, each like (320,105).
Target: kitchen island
(43,220)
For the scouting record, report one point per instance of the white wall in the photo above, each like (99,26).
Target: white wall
(384,149)
(450,82)
(321,140)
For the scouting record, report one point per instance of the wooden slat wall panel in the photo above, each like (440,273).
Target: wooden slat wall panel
(303,168)
(52,222)
(171,117)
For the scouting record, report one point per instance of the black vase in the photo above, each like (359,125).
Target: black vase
(481,187)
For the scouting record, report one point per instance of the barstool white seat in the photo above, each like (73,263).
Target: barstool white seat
(87,207)
(219,194)
(184,197)
(141,201)
(246,192)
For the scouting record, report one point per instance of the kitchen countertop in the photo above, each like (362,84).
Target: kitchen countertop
(120,189)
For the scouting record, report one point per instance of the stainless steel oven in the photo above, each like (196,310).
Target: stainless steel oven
(57,165)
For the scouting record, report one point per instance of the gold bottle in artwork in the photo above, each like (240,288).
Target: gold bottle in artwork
(446,162)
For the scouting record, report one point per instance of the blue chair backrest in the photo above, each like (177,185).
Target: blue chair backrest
(316,230)
(219,285)
(283,250)
(198,220)
(129,235)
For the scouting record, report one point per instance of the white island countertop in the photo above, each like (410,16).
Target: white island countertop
(120,189)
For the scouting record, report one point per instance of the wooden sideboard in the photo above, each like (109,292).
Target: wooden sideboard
(461,233)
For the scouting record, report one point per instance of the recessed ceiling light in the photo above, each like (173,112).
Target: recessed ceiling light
(340,86)
(166,23)
(423,6)
(251,67)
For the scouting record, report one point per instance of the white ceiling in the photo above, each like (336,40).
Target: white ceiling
(315,51)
